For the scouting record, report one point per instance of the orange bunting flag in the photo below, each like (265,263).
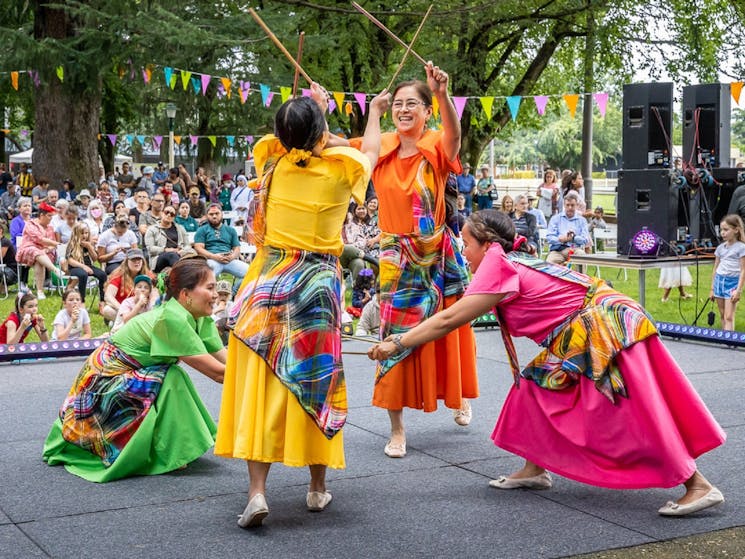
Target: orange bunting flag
(571,101)
(226,84)
(177,139)
(98,136)
(486,103)
(185,78)
(435,107)
(14,80)
(339,98)
(735,87)
(348,108)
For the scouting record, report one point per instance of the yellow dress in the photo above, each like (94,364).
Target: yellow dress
(260,419)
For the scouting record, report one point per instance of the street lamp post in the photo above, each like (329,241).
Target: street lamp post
(171,114)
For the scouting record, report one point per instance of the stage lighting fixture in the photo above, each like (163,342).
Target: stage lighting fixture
(645,244)
(701,333)
(48,350)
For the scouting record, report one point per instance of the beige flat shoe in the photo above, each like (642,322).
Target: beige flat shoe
(255,512)
(541,481)
(711,499)
(463,415)
(317,500)
(395,450)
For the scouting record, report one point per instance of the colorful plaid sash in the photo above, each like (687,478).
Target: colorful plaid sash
(417,271)
(290,315)
(587,342)
(108,401)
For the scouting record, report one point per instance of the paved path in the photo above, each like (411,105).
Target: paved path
(433,503)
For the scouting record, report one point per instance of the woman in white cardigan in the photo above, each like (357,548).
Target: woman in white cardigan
(166,242)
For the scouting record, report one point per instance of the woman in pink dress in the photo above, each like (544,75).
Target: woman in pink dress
(39,247)
(604,403)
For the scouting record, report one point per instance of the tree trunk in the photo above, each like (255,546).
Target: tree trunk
(65,135)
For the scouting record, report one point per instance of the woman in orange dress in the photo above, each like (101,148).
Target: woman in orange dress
(421,268)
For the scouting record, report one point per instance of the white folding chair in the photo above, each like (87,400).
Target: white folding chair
(608,239)
(247,250)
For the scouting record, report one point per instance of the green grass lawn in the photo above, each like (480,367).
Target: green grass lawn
(675,310)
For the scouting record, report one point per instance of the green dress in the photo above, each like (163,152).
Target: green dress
(132,410)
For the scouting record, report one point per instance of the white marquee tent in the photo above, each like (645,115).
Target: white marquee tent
(25,157)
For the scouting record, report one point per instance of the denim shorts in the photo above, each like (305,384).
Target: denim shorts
(724,285)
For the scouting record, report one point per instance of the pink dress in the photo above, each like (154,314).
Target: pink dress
(649,439)
(31,247)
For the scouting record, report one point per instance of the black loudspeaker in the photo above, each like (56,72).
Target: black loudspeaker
(647,199)
(706,125)
(647,125)
(709,203)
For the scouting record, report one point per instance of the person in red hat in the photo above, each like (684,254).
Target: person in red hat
(38,247)
(221,194)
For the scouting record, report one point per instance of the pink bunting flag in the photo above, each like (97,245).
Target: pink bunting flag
(305,92)
(460,104)
(194,139)
(361,101)
(205,82)
(243,94)
(332,106)
(112,138)
(601,99)
(269,98)
(250,139)
(540,103)
(34,75)
(157,140)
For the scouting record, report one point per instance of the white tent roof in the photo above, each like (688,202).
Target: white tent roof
(25,157)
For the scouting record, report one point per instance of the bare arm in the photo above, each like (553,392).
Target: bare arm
(208,365)
(371,140)
(462,312)
(438,83)
(221,355)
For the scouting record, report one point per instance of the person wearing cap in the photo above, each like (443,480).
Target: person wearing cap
(84,200)
(197,207)
(160,175)
(540,219)
(219,244)
(138,303)
(113,244)
(166,242)
(146,180)
(38,247)
(240,201)
(121,283)
(221,194)
(467,187)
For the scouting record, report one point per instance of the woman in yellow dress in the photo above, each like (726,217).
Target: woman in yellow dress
(284,397)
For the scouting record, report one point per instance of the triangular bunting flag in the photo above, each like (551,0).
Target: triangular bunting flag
(540,103)
(98,136)
(157,140)
(226,84)
(185,78)
(14,80)
(213,140)
(339,98)
(250,139)
(205,80)
(243,93)
(60,73)
(571,100)
(361,101)
(486,103)
(168,72)
(513,103)
(147,75)
(285,91)
(348,108)
(601,99)
(174,79)
(460,104)
(112,138)
(264,89)
(231,140)
(194,139)
(130,138)
(177,139)
(195,84)
(305,92)
(736,89)
(141,139)
(35,76)
(332,106)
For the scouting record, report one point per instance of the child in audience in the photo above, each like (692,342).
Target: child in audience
(72,322)
(222,308)
(136,304)
(369,323)
(19,323)
(729,269)
(362,291)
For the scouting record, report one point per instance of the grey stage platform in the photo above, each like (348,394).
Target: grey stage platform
(433,503)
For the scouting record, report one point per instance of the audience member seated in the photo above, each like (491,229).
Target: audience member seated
(567,232)
(39,247)
(222,309)
(83,200)
(597,222)
(8,252)
(59,216)
(540,219)
(166,242)
(183,218)
(39,193)
(219,244)
(81,257)
(114,243)
(95,219)
(9,202)
(240,201)
(362,291)
(197,208)
(221,194)
(153,215)
(121,283)
(21,321)
(524,221)
(508,204)
(572,181)
(138,204)
(18,224)
(369,323)
(72,322)
(137,304)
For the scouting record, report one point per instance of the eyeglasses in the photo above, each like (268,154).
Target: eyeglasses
(158,200)
(410,104)
(169,213)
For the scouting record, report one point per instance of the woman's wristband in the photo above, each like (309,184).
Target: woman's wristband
(397,342)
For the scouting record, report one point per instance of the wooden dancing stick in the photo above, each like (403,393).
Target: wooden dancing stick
(300,42)
(390,33)
(277,42)
(408,49)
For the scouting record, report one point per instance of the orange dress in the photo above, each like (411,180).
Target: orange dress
(421,272)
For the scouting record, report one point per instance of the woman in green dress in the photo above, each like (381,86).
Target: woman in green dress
(132,410)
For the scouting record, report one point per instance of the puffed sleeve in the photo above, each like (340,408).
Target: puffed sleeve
(495,275)
(267,148)
(356,167)
(177,334)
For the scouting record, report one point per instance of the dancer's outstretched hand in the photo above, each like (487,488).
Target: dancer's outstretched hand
(381,102)
(320,96)
(436,79)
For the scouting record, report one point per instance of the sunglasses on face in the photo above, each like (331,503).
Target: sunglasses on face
(169,213)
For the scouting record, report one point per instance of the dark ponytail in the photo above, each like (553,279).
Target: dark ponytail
(494,226)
